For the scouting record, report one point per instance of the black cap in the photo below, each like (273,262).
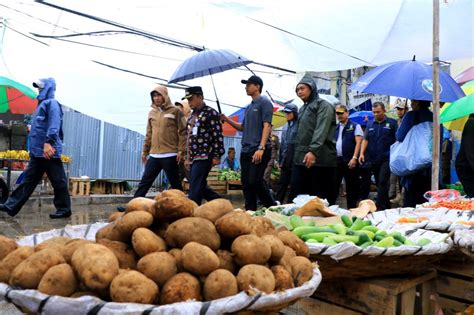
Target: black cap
(192,90)
(254,80)
(290,108)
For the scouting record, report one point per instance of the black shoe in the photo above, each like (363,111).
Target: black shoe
(121,209)
(60,214)
(6,210)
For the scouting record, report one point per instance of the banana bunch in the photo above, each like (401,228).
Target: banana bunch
(15,155)
(66,159)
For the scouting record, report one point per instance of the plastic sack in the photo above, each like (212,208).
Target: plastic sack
(414,153)
(443,194)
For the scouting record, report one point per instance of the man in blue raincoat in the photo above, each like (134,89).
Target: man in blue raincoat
(45,139)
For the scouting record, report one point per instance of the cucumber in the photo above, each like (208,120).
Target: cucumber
(379,237)
(329,241)
(296,221)
(423,242)
(312,241)
(319,236)
(358,224)
(340,228)
(381,232)
(346,220)
(397,243)
(363,238)
(370,234)
(408,242)
(344,238)
(354,218)
(386,242)
(366,244)
(398,236)
(302,230)
(370,228)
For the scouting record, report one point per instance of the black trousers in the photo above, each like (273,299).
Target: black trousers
(352,182)
(315,181)
(153,167)
(285,180)
(415,187)
(381,172)
(33,174)
(253,184)
(198,188)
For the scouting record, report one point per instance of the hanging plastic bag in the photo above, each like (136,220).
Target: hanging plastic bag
(414,153)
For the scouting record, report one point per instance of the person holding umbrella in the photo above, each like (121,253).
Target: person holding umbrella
(375,152)
(465,158)
(256,144)
(45,139)
(205,145)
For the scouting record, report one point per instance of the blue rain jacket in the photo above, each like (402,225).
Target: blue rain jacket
(46,124)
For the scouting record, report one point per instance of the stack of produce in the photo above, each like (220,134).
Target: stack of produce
(164,251)
(459,204)
(228,174)
(15,155)
(357,231)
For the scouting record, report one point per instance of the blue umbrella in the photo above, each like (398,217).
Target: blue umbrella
(408,79)
(362,117)
(208,62)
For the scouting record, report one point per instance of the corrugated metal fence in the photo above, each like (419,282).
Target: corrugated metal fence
(121,148)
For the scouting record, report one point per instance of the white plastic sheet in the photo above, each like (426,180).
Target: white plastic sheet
(38,302)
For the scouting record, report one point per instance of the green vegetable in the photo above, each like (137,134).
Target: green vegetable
(408,242)
(344,238)
(303,230)
(329,241)
(339,228)
(366,244)
(381,232)
(312,241)
(397,243)
(370,228)
(346,220)
(354,218)
(370,234)
(318,236)
(359,224)
(398,236)
(296,221)
(423,242)
(363,238)
(386,242)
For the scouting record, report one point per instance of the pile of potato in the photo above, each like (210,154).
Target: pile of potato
(164,251)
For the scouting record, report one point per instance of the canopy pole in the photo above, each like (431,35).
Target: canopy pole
(436,124)
(215,93)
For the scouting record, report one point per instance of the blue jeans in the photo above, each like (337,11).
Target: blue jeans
(33,174)
(198,188)
(153,167)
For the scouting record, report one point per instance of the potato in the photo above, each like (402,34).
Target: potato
(276,245)
(181,287)
(29,272)
(177,253)
(290,239)
(110,232)
(133,287)
(255,276)
(71,246)
(57,243)
(285,259)
(250,249)
(226,260)
(199,259)
(301,269)
(141,204)
(58,280)
(170,193)
(132,221)
(219,284)
(114,216)
(126,257)
(7,245)
(12,260)
(174,208)
(145,241)
(214,209)
(234,224)
(186,230)
(158,266)
(96,265)
(283,280)
(262,226)
(159,228)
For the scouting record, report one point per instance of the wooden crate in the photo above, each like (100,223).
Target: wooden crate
(455,283)
(103,187)
(389,295)
(79,186)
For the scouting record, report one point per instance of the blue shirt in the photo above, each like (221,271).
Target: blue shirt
(260,110)
(235,166)
(287,148)
(380,136)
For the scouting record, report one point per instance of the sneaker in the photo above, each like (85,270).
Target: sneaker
(121,209)
(60,214)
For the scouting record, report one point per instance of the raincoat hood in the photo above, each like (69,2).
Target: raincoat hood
(311,82)
(163,91)
(48,90)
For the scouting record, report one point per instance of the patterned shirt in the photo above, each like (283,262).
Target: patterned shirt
(205,139)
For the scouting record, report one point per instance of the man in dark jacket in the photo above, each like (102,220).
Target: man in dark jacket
(45,140)
(348,140)
(315,149)
(465,158)
(287,150)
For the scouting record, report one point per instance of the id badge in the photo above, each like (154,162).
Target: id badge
(195,131)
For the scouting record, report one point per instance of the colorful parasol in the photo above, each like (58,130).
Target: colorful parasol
(455,115)
(16,97)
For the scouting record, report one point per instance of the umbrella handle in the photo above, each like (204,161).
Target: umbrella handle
(215,93)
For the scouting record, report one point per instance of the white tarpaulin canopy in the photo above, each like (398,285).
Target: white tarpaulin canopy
(295,35)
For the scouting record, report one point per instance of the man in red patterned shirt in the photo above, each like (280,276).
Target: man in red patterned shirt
(205,145)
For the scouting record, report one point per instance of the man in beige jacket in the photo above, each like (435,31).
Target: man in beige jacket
(164,142)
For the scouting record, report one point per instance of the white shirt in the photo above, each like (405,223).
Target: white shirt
(357,132)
